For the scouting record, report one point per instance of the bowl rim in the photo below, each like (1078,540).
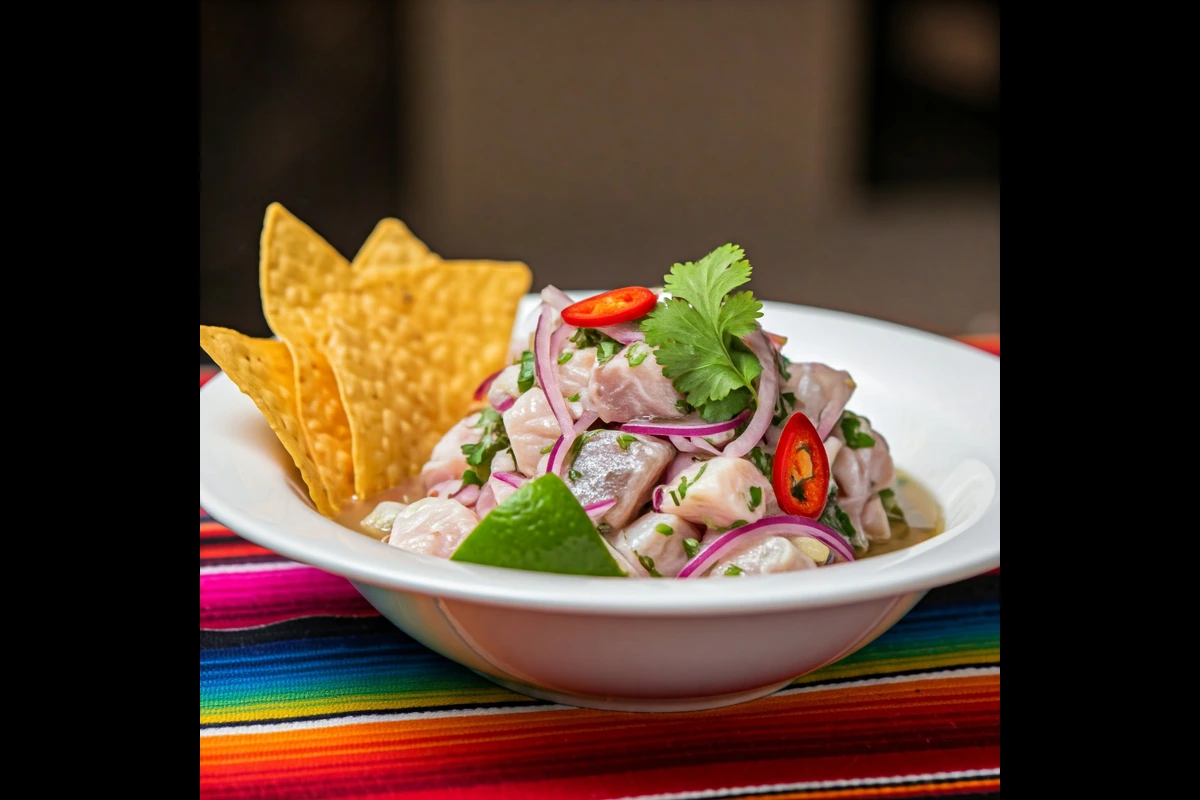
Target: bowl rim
(329,546)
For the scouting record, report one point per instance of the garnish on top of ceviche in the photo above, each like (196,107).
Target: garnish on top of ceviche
(637,433)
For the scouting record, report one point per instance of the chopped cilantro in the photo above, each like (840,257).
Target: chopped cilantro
(624,440)
(894,512)
(573,398)
(526,375)
(546,449)
(580,441)
(698,332)
(604,527)
(565,356)
(683,407)
(648,564)
(606,350)
(674,497)
(733,569)
(691,546)
(834,517)
(856,439)
(574,474)
(761,460)
(755,497)
(636,353)
(586,337)
(493,440)
(664,529)
(783,407)
(684,485)
(471,478)
(785,372)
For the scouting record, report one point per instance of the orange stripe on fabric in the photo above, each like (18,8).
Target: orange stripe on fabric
(907,790)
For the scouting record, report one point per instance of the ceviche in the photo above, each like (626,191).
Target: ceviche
(657,434)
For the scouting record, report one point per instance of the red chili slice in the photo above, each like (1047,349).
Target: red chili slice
(800,473)
(610,308)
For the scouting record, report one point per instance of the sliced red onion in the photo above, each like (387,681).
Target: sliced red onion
(558,339)
(482,389)
(768,396)
(505,404)
(780,525)
(467,495)
(681,462)
(694,444)
(556,298)
(656,502)
(562,445)
(692,425)
(511,478)
(547,372)
(828,419)
(599,509)
(625,333)
(486,501)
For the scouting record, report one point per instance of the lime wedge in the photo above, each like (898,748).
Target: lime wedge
(541,527)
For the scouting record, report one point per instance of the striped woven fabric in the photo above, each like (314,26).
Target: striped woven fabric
(305,691)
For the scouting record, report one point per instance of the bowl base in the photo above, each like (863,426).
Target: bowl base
(636,705)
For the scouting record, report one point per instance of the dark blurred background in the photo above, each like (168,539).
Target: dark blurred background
(851,146)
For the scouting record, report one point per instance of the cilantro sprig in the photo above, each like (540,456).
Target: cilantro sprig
(493,439)
(698,333)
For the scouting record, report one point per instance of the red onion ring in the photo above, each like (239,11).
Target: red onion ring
(625,332)
(556,298)
(599,509)
(562,446)
(693,444)
(505,404)
(481,390)
(468,495)
(547,372)
(692,425)
(779,525)
(511,478)
(558,339)
(768,396)
(657,498)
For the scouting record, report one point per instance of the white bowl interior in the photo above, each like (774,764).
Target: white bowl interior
(936,401)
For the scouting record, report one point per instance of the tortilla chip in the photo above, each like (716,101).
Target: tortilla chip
(297,268)
(392,244)
(263,370)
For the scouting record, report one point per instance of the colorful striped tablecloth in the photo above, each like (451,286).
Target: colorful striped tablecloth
(305,691)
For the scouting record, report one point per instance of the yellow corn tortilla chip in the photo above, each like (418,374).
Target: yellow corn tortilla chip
(409,347)
(297,269)
(391,244)
(262,369)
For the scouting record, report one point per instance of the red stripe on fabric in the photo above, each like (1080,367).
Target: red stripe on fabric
(232,550)
(248,599)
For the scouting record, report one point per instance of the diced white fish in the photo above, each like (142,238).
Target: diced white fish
(531,428)
(503,462)
(445,488)
(860,472)
(619,392)
(382,516)
(819,390)
(604,470)
(447,461)
(718,493)
(647,546)
(497,491)
(575,377)
(681,462)
(433,526)
(762,555)
(505,385)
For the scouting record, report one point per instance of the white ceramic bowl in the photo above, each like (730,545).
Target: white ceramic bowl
(661,645)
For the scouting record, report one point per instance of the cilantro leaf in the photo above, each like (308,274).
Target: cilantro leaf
(765,462)
(855,438)
(691,547)
(891,506)
(697,332)
(526,376)
(493,440)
